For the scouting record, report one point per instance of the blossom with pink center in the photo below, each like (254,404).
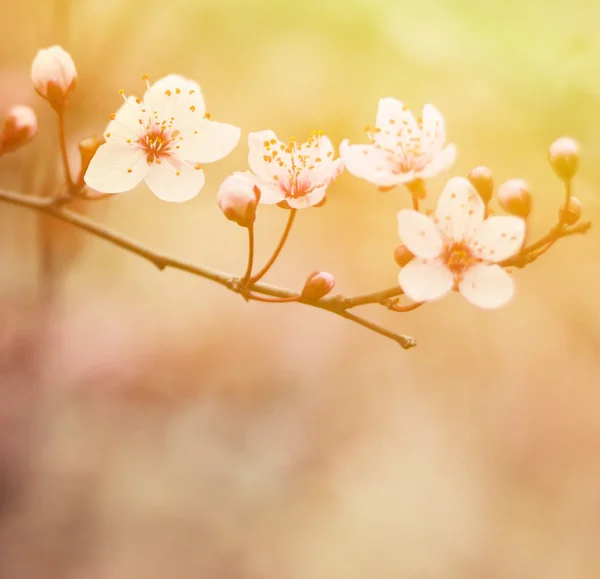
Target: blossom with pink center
(164,139)
(459,249)
(402,149)
(291,175)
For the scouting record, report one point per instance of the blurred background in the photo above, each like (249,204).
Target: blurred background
(153,425)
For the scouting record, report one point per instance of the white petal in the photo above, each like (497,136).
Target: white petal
(174,96)
(115,168)
(440,162)
(391,111)
(174,181)
(270,193)
(425,280)
(433,133)
(209,142)
(370,163)
(419,233)
(308,200)
(257,152)
(487,286)
(126,124)
(499,238)
(395,124)
(459,210)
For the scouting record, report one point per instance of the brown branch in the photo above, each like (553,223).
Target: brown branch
(530,253)
(55,207)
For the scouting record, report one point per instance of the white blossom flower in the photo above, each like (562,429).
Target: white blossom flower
(402,149)
(459,249)
(163,139)
(293,176)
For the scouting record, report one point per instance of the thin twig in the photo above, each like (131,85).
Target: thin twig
(269,264)
(248,273)
(63,147)
(56,208)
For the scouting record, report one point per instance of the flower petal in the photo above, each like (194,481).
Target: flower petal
(499,238)
(419,233)
(209,142)
(308,200)
(440,162)
(115,168)
(174,96)
(270,193)
(370,163)
(487,286)
(425,280)
(258,154)
(126,123)
(433,135)
(174,181)
(459,210)
(395,124)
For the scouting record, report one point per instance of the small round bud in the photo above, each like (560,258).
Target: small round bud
(54,75)
(564,157)
(573,212)
(19,128)
(318,284)
(238,197)
(402,256)
(87,150)
(515,198)
(481,178)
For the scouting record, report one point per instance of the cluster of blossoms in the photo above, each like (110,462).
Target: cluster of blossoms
(166,137)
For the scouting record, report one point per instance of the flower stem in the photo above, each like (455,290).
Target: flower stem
(63,147)
(248,273)
(277,251)
(271,300)
(415,202)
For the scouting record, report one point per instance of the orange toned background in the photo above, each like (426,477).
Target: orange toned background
(153,425)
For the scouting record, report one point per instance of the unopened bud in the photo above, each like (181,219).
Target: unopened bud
(19,128)
(481,178)
(573,212)
(54,75)
(564,157)
(238,197)
(402,255)
(87,150)
(318,284)
(515,198)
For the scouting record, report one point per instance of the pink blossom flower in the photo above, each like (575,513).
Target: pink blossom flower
(402,149)
(459,249)
(53,74)
(291,175)
(163,139)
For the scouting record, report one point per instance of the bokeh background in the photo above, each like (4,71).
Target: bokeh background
(153,425)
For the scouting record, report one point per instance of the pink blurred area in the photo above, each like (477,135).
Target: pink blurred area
(154,425)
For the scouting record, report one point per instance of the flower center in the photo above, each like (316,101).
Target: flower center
(458,257)
(295,164)
(157,142)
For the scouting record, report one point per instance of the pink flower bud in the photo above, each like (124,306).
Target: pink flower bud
(564,157)
(19,128)
(515,198)
(238,197)
(481,178)
(318,285)
(573,212)
(54,75)
(402,255)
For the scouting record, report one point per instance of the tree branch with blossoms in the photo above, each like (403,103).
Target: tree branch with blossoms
(166,138)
